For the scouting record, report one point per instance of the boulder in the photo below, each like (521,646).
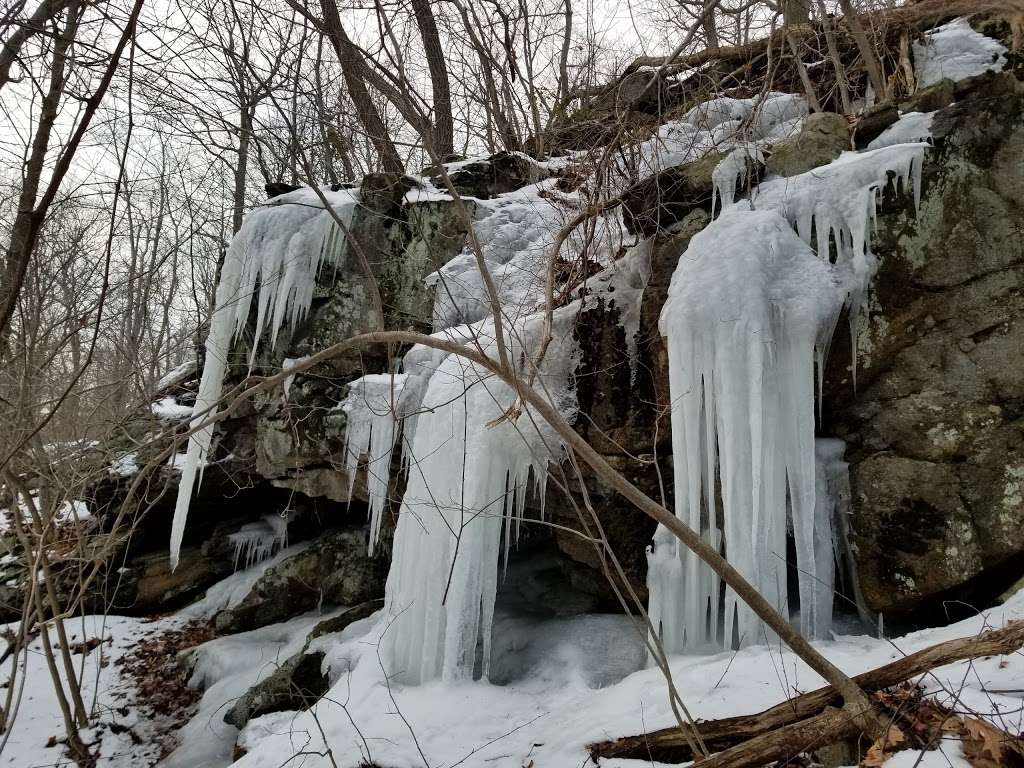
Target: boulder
(500,173)
(824,137)
(935,96)
(668,197)
(934,430)
(333,570)
(300,680)
(872,122)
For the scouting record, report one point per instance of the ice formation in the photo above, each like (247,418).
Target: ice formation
(372,408)
(956,51)
(751,311)
(911,127)
(469,471)
(259,541)
(722,124)
(273,258)
(516,233)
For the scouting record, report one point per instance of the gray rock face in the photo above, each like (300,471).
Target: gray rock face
(503,172)
(668,197)
(935,429)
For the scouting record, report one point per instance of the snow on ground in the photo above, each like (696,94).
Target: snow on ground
(567,682)
(69,511)
(123,737)
(227,667)
(551,714)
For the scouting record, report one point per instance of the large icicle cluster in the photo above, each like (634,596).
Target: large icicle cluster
(751,311)
(468,473)
(274,258)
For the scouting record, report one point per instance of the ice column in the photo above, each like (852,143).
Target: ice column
(749,309)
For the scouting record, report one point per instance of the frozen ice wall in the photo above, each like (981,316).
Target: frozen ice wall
(750,315)
(470,464)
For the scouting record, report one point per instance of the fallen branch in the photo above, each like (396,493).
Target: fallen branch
(806,719)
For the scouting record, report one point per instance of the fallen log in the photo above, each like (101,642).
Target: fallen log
(808,717)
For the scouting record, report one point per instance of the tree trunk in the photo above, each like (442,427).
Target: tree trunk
(241,169)
(19,249)
(443,134)
(796,12)
(353,69)
(864,46)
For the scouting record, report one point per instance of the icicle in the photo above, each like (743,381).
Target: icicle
(468,473)
(371,430)
(280,249)
(732,169)
(256,542)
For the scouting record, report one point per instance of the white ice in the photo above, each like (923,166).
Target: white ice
(956,51)
(911,127)
(258,541)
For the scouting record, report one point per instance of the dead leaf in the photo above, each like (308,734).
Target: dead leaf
(891,741)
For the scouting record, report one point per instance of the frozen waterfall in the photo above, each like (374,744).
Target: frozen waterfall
(274,258)
(751,312)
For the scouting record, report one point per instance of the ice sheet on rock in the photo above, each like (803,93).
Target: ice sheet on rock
(733,170)
(224,669)
(910,128)
(259,541)
(956,51)
(177,375)
(125,465)
(230,591)
(621,287)
(721,124)
(372,408)
(273,259)
(516,232)
(836,204)
(750,308)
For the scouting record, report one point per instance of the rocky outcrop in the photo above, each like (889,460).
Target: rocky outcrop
(824,137)
(333,570)
(935,427)
(500,173)
(666,198)
(301,679)
(296,437)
